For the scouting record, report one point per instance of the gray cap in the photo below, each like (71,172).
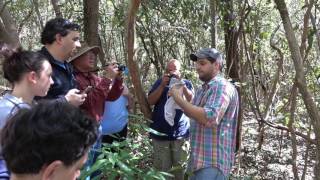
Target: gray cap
(206,53)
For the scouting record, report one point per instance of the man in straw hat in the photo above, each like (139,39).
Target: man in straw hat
(98,89)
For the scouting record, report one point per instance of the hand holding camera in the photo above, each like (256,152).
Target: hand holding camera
(165,80)
(115,70)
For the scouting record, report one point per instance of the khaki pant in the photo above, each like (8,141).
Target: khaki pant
(171,156)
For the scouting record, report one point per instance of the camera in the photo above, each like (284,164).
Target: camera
(172,76)
(121,67)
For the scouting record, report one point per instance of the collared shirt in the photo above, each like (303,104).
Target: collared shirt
(213,144)
(101,92)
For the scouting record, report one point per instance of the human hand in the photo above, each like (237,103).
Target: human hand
(165,80)
(112,71)
(75,98)
(125,91)
(176,90)
(175,74)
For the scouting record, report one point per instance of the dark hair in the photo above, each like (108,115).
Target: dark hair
(57,26)
(17,62)
(218,60)
(47,132)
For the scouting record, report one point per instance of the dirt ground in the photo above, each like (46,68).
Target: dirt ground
(273,160)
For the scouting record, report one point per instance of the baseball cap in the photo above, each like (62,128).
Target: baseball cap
(211,54)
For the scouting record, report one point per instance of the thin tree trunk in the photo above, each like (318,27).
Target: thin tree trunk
(8,30)
(306,156)
(232,57)
(91,21)
(139,92)
(56,8)
(293,137)
(301,80)
(36,6)
(213,8)
(317,33)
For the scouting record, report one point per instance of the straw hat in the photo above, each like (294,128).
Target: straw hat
(83,49)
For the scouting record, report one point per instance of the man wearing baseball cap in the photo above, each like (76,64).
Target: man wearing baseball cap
(213,115)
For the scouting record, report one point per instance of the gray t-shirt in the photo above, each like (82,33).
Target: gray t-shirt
(9,105)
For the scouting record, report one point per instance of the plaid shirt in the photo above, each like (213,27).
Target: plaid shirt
(213,144)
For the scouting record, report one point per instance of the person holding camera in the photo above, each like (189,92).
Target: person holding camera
(98,89)
(168,148)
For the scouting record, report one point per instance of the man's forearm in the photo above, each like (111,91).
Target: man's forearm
(194,112)
(188,94)
(116,90)
(155,95)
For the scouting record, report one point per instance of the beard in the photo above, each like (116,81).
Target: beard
(205,78)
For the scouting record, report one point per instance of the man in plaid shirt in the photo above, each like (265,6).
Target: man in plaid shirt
(213,114)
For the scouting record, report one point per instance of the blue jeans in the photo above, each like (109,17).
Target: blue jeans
(94,152)
(211,173)
(4,172)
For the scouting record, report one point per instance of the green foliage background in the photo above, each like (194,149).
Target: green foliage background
(173,29)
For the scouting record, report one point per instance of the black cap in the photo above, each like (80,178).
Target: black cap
(206,53)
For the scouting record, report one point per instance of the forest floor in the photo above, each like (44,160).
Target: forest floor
(273,160)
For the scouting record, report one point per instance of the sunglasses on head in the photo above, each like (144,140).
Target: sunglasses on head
(70,25)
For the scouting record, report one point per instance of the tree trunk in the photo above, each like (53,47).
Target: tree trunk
(8,29)
(213,8)
(36,7)
(231,41)
(232,61)
(133,69)
(91,21)
(301,80)
(56,8)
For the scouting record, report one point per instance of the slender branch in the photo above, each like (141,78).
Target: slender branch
(305,167)
(282,127)
(36,6)
(294,94)
(56,8)
(4,6)
(25,20)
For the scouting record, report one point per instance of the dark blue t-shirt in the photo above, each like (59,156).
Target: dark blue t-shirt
(180,129)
